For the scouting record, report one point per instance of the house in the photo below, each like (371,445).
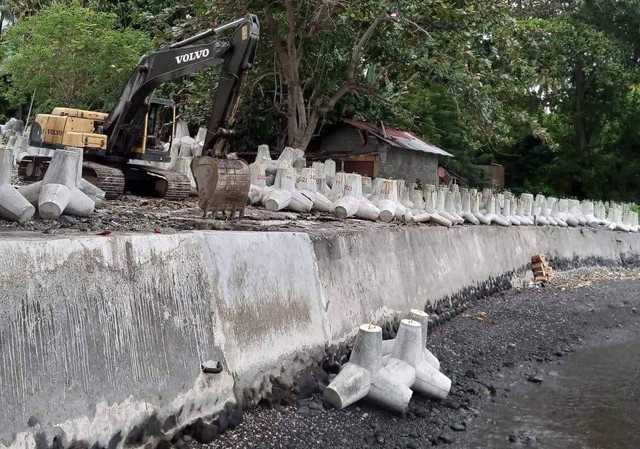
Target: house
(369,150)
(494,173)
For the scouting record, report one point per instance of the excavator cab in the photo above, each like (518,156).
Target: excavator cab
(156,131)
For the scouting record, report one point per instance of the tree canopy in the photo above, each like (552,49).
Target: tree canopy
(67,54)
(550,89)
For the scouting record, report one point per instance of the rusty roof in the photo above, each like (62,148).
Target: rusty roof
(397,138)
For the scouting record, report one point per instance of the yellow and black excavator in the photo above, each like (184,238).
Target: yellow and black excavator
(141,127)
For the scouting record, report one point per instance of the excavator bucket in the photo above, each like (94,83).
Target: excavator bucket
(223,185)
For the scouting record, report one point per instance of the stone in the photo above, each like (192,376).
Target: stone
(534,379)
(163,444)
(153,428)
(222,420)
(459,427)
(58,442)
(202,432)
(331,367)
(169,423)
(115,441)
(470,374)
(236,417)
(305,385)
(68,220)
(452,404)
(446,439)
(180,444)
(135,437)
(78,444)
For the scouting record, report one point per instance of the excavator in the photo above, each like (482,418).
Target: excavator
(141,127)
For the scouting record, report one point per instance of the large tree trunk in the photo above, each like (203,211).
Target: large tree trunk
(303,113)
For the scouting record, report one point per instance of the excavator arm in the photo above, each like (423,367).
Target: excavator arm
(181,59)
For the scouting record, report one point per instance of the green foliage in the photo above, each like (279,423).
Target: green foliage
(582,71)
(549,89)
(67,55)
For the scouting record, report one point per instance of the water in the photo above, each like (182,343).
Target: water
(592,402)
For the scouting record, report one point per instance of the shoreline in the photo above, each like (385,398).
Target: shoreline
(499,342)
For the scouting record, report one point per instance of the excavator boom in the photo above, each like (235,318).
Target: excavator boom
(132,129)
(180,59)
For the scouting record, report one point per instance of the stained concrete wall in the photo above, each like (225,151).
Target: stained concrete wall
(367,275)
(97,334)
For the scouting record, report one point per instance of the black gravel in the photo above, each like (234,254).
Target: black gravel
(505,338)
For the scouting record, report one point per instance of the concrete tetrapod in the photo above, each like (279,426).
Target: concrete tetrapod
(321,179)
(430,214)
(258,182)
(58,192)
(13,206)
(307,185)
(353,202)
(385,196)
(284,194)
(466,209)
(95,193)
(476,199)
(388,202)
(364,376)
(407,363)
(491,212)
(506,211)
(422,318)
(441,200)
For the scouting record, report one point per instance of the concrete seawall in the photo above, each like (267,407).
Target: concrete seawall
(98,335)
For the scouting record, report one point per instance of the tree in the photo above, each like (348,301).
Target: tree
(319,54)
(68,55)
(581,67)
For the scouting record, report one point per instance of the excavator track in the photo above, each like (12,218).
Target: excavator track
(169,185)
(109,179)
(32,168)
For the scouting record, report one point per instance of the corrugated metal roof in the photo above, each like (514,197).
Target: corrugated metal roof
(402,139)
(409,141)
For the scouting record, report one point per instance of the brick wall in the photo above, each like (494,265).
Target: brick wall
(398,163)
